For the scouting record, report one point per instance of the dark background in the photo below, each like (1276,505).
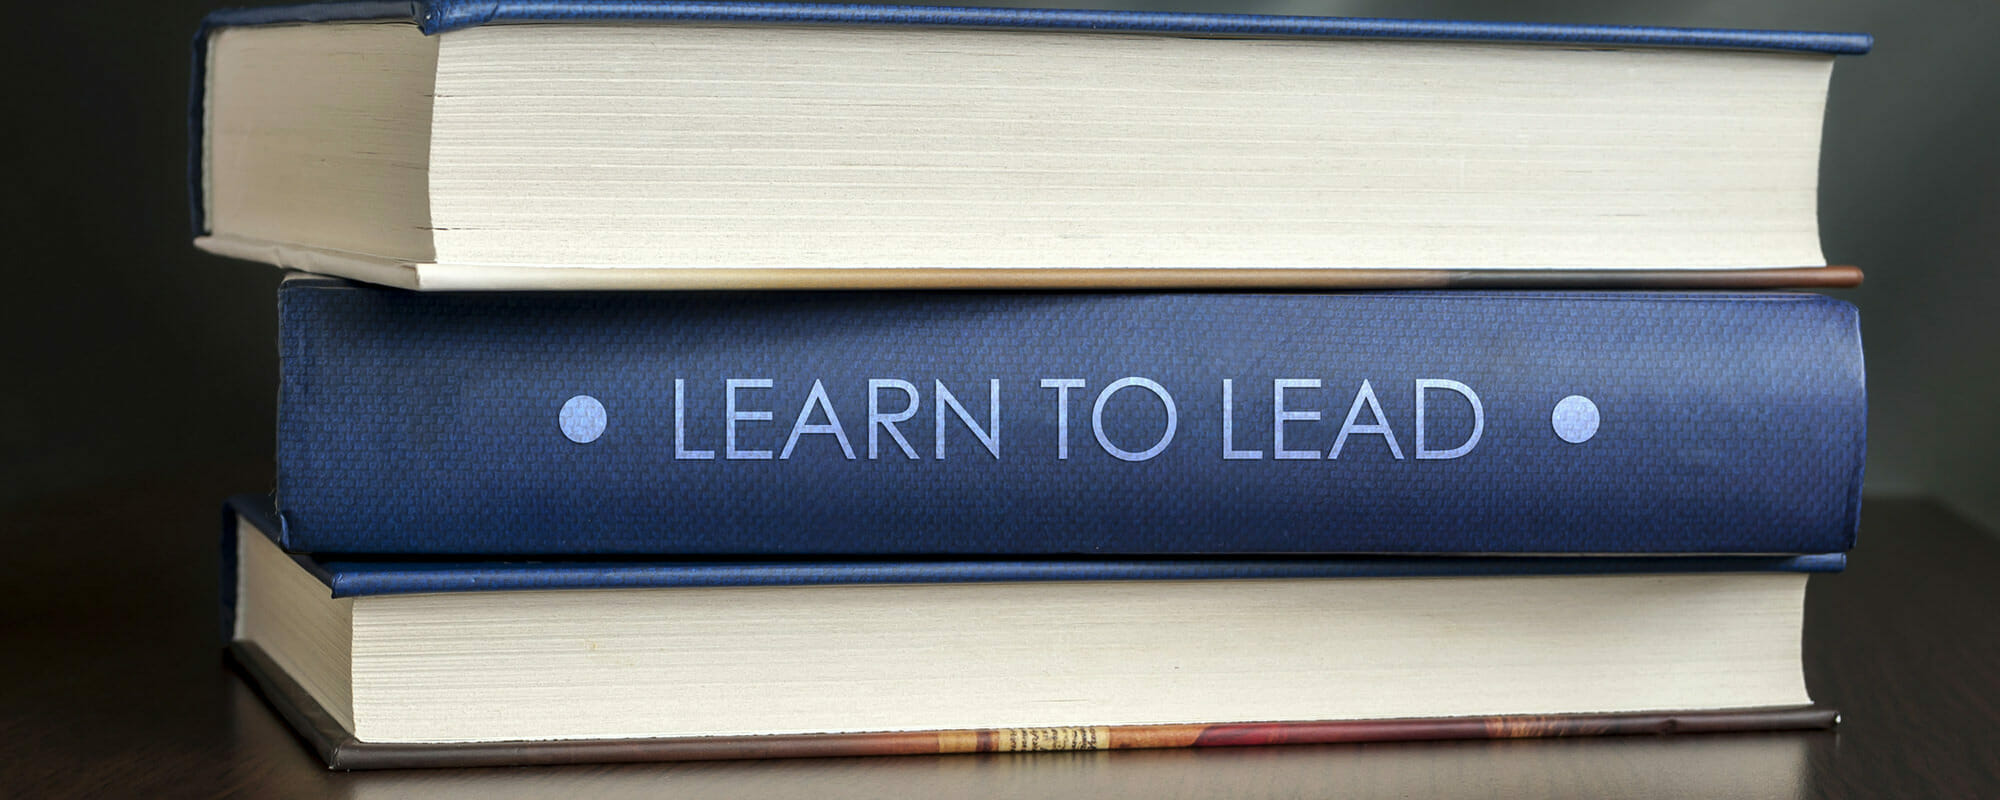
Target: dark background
(133,361)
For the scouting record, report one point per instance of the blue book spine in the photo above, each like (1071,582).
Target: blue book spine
(988,424)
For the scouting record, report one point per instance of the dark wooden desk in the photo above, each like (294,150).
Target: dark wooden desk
(111,684)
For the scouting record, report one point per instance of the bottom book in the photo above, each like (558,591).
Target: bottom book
(380,663)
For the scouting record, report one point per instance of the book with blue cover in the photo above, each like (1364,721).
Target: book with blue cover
(393,662)
(997,424)
(675,144)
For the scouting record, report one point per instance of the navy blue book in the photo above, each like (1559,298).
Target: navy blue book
(712,145)
(396,662)
(995,424)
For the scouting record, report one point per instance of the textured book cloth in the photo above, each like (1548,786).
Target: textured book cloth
(989,424)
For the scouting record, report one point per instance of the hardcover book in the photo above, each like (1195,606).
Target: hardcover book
(381,663)
(990,423)
(673,144)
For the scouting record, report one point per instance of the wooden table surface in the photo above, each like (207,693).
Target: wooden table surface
(112,684)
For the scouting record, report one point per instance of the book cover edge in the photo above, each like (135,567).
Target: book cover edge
(516,278)
(465,277)
(391,577)
(442,16)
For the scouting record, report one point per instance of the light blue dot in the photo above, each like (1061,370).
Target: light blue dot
(583,419)
(1575,419)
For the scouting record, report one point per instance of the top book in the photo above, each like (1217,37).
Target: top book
(760,145)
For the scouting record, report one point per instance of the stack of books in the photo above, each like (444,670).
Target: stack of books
(696,380)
